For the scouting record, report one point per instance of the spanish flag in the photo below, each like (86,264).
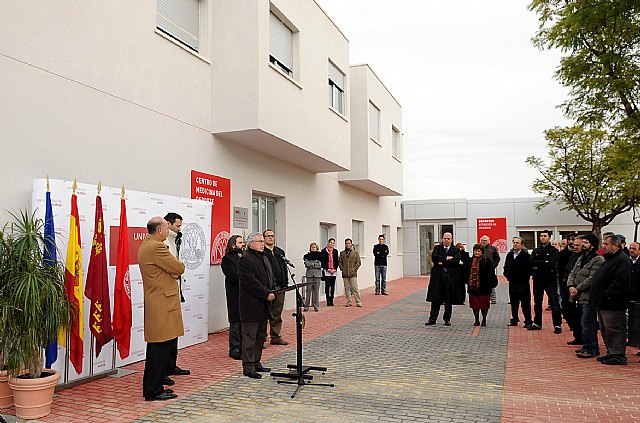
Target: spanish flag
(73,288)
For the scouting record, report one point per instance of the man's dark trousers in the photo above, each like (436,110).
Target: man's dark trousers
(550,286)
(253,336)
(155,367)
(520,295)
(435,310)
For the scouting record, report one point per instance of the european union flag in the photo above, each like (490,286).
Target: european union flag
(50,259)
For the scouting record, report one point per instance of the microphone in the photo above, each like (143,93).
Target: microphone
(286,260)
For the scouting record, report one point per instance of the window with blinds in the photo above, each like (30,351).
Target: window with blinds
(180,20)
(280,45)
(336,88)
(374,122)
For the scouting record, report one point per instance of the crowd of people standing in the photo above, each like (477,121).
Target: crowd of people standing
(256,278)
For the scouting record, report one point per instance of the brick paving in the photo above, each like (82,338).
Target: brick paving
(387,366)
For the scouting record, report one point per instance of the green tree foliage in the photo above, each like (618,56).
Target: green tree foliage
(593,167)
(601,65)
(583,173)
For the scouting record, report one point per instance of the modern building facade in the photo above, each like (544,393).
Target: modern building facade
(425,221)
(260,92)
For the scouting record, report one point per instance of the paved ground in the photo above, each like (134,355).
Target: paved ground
(386,366)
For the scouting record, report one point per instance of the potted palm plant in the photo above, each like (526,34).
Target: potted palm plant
(35,308)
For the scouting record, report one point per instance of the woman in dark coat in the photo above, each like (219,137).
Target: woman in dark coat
(459,290)
(480,278)
(229,265)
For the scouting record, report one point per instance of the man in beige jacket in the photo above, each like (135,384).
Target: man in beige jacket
(162,313)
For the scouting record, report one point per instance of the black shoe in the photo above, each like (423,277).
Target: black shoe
(484,323)
(638,354)
(384,293)
(253,375)
(235,356)
(557,330)
(430,323)
(167,381)
(180,372)
(534,327)
(575,342)
(161,397)
(604,357)
(377,293)
(579,350)
(168,391)
(512,323)
(527,327)
(447,323)
(263,370)
(615,360)
(476,323)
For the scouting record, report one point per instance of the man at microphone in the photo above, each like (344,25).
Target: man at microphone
(277,259)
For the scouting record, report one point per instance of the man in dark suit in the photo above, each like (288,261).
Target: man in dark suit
(518,272)
(446,258)
(544,262)
(256,281)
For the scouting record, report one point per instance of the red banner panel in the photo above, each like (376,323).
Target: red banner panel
(136,236)
(217,191)
(496,229)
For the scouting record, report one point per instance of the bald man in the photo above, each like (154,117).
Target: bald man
(445,261)
(162,313)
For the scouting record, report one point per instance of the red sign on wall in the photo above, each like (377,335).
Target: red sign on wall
(136,236)
(496,229)
(217,191)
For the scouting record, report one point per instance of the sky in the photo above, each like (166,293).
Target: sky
(476,94)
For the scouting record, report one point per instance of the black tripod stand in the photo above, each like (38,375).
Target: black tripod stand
(300,372)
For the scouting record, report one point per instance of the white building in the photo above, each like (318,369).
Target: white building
(425,221)
(259,92)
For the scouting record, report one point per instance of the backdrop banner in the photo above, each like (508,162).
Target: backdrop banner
(496,229)
(141,206)
(217,191)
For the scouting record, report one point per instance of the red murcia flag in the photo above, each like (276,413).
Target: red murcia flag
(122,290)
(97,285)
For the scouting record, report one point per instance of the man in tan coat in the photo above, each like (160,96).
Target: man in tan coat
(162,313)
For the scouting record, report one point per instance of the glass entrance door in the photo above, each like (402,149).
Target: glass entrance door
(426,245)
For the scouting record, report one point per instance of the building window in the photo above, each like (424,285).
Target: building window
(263,213)
(280,45)
(336,88)
(327,230)
(357,234)
(386,231)
(180,20)
(374,122)
(397,143)
(399,240)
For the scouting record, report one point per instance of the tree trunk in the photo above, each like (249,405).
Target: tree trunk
(596,229)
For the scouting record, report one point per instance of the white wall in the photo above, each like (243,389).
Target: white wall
(95,94)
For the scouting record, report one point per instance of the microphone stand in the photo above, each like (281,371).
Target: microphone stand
(300,372)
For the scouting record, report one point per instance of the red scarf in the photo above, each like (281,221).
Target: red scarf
(474,275)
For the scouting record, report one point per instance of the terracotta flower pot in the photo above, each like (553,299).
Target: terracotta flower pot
(6,396)
(33,397)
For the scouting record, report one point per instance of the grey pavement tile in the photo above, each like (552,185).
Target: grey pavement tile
(386,366)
